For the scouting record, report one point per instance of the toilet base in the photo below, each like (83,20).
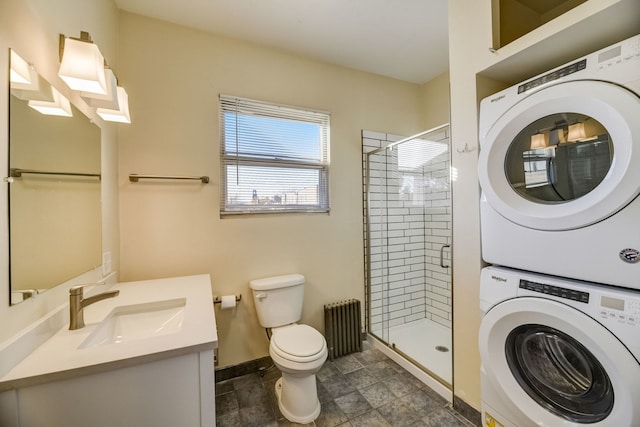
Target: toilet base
(298,398)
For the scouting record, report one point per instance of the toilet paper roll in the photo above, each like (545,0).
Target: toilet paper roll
(227,301)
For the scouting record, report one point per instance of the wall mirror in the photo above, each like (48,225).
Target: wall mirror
(55,231)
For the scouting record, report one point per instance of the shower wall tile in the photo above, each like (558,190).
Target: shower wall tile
(443,278)
(415,232)
(413,303)
(437,314)
(414,317)
(399,270)
(396,263)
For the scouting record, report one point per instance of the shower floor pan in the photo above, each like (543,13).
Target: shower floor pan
(426,342)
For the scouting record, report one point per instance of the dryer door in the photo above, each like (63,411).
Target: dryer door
(556,366)
(564,157)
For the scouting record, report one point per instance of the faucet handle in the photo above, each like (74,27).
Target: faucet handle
(77,289)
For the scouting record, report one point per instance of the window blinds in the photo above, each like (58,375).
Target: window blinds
(274,158)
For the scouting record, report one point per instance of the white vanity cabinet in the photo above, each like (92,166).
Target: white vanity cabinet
(160,381)
(171,392)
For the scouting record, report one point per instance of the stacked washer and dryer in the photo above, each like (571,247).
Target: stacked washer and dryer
(559,170)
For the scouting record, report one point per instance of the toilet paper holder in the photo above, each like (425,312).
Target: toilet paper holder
(218,300)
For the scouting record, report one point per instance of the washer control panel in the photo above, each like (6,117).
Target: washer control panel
(614,307)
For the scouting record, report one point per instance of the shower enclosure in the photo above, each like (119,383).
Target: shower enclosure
(407,199)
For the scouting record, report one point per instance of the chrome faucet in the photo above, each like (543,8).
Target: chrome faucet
(77,303)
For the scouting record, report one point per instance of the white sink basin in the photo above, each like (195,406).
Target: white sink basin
(138,321)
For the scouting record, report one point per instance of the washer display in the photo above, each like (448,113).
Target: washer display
(558,352)
(558,170)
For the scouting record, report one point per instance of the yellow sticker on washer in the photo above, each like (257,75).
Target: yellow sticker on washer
(489,421)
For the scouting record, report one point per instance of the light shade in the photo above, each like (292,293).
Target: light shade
(20,70)
(538,140)
(59,107)
(82,66)
(576,132)
(26,83)
(38,90)
(108,100)
(122,113)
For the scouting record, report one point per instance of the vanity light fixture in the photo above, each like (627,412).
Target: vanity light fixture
(538,140)
(108,100)
(82,64)
(60,106)
(576,132)
(20,70)
(120,114)
(26,83)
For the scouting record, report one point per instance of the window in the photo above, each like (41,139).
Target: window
(273,158)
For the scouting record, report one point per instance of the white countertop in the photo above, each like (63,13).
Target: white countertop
(60,357)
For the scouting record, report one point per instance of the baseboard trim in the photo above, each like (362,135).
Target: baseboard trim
(244,368)
(467,411)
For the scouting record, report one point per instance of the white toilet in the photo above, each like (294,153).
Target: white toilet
(299,351)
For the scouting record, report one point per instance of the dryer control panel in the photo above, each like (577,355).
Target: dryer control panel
(556,291)
(618,63)
(624,311)
(554,75)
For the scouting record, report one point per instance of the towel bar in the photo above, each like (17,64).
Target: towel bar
(17,173)
(135,177)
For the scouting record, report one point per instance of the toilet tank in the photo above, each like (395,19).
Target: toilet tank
(278,300)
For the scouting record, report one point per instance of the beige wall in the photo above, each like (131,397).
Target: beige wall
(31,27)
(436,105)
(472,65)
(174,75)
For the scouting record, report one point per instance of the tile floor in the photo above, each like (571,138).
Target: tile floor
(363,389)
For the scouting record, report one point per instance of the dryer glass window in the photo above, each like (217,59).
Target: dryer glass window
(559,373)
(559,158)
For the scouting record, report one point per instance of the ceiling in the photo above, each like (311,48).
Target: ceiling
(406,40)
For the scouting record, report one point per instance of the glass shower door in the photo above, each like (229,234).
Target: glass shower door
(409,242)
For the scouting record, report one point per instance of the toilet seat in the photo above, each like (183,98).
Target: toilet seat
(298,343)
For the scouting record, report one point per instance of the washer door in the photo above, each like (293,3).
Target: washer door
(564,157)
(557,366)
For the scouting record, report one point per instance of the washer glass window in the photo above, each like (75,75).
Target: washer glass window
(559,373)
(559,158)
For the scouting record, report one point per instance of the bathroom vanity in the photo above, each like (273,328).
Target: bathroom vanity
(144,358)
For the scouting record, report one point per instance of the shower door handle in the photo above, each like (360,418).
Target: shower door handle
(442,256)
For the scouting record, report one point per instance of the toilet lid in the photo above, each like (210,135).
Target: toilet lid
(298,340)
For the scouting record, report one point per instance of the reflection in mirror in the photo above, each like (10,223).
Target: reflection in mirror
(559,158)
(54,195)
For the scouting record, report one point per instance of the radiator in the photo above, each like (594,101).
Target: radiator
(342,328)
